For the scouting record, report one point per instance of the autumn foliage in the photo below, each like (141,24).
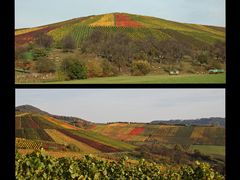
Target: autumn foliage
(123,20)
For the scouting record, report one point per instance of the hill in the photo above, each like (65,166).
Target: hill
(30,109)
(163,133)
(214,121)
(36,130)
(136,26)
(72,120)
(117,44)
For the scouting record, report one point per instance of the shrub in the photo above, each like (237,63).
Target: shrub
(38,53)
(27,56)
(72,147)
(44,40)
(68,43)
(109,69)
(45,65)
(74,68)
(94,68)
(140,68)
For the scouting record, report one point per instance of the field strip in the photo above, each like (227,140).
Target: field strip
(23,114)
(94,144)
(63,139)
(29,144)
(60,123)
(106,20)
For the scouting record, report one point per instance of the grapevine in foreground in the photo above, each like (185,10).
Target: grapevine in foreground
(39,166)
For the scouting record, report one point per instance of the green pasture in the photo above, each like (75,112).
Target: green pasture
(210,149)
(152,79)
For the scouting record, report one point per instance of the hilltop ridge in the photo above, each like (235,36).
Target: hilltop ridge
(35,110)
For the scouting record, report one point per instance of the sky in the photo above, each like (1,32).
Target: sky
(135,105)
(31,13)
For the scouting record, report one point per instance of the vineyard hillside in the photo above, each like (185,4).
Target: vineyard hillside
(135,26)
(157,143)
(35,131)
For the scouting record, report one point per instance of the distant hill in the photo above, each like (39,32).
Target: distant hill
(216,121)
(29,108)
(72,120)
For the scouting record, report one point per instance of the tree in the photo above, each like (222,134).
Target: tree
(219,51)
(44,40)
(68,43)
(174,51)
(202,58)
(118,50)
(74,68)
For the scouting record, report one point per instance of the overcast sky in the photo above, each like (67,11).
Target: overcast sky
(138,105)
(30,13)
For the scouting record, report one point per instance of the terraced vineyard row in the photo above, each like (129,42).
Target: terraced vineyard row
(56,154)
(34,134)
(107,140)
(28,122)
(28,144)
(94,144)
(105,20)
(22,143)
(80,32)
(33,122)
(123,20)
(64,139)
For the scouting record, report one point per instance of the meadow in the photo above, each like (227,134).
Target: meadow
(210,149)
(151,79)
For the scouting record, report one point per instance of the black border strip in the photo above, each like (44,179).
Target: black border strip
(7,91)
(120,86)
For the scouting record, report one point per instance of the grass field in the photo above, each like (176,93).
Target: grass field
(210,149)
(151,79)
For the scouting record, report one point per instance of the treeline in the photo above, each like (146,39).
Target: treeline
(116,53)
(212,121)
(122,50)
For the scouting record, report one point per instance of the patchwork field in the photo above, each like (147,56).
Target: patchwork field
(167,134)
(117,142)
(36,131)
(81,27)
